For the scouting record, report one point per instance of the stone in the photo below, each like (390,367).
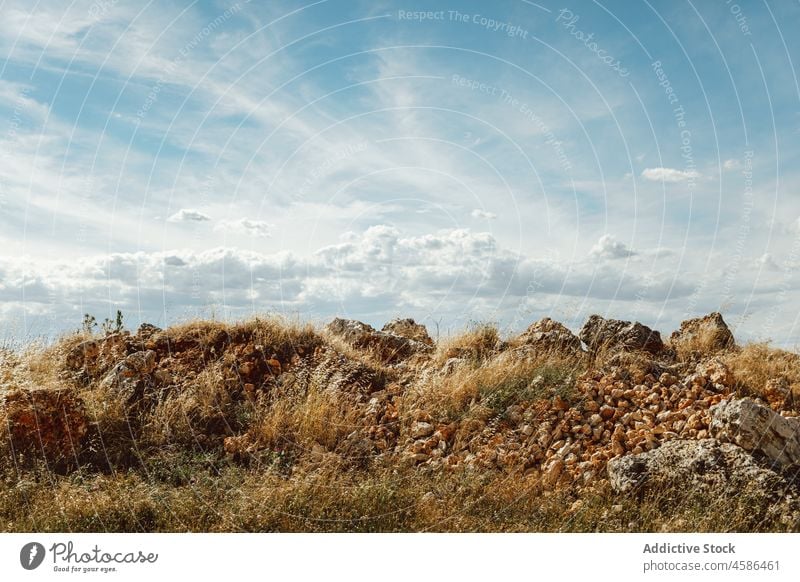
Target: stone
(82,355)
(707,334)
(777,391)
(388,347)
(757,429)
(599,334)
(338,373)
(409,329)
(716,372)
(607,412)
(139,364)
(132,377)
(514,414)
(48,421)
(146,331)
(702,465)
(422,430)
(548,335)
(552,473)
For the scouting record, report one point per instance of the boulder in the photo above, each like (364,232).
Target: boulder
(98,354)
(409,329)
(599,334)
(83,355)
(44,421)
(701,465)
(146,331)
(388,347)
(709,333)
(332,371)
(352,331)
(551,336)
(759,430)
(133,375)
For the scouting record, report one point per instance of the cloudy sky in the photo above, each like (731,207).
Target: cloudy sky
(496,161)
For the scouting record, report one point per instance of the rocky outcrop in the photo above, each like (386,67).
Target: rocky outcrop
(600,334)
(44,421)
(388,347)
(146,331)
(699,465)
(759,430)
(332,371)
(409,329)
(97,355)
(708,334)
(547,335)
(82,355)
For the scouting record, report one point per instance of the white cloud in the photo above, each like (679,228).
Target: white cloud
(379,270)
(668,174)
(609,247)
(189,215)
(246,226)
(732,164)
(478,213)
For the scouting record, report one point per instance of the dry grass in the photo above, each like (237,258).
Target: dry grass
(478,343)
(497,383)
(701,343)
(318,417)
(222,497)
(756,363)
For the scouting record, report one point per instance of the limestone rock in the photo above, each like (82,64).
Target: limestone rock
(599,333)
(82,355)
(422,430)
(146,331)
(388,347)
(331,371)
(133,375)
(697,464)
(351,331)
(409,329)
(716,372)
(709,334)
(777,391)
(759,430)
(549,335)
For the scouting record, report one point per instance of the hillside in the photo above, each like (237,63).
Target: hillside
(269,425)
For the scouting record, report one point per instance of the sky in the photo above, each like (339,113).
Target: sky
(454,162)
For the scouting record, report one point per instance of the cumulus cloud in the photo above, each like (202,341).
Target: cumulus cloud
(732,164)
(668,175)
(609,247)
(478,213)
(246,226)
(379,270)
(189,215)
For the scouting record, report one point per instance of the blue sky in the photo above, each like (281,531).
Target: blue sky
(452,162)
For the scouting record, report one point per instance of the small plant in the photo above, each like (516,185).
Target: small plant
(113,326)
(89,323)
